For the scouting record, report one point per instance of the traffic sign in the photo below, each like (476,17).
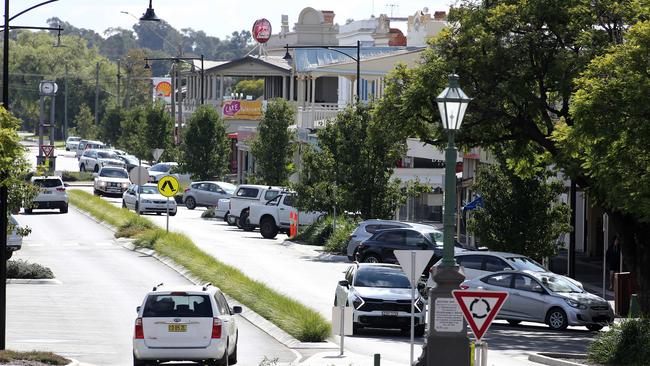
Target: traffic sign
(157,153)
(168,186)
(47,150)
(480,308)
(422,258)
(139,175)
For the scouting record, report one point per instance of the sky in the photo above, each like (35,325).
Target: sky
(216,17)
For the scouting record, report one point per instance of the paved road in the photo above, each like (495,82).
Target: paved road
(90,316)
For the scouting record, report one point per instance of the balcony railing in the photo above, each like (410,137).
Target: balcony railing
(316,115)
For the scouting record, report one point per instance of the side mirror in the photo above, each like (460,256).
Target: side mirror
(137,309)
(236,309)
(344,283)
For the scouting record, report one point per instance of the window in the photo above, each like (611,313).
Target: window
(269,195)
(160,168)
(494,264)
(501,280)
(413,238)
(385,226)
(523,263)
(526,283)
(396,237)
(223,304)
(214,188)
(148,190)
(471,261)
(86,153)
(48,182)
(107,155)
(381,277)
(229,188)
(181,305)
(288,200)
(113,173)
(248,192)
(372,228)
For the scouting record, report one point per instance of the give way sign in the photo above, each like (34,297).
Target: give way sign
(480,308)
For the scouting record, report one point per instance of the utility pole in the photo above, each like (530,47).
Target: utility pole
(119,76)
(97,94)
(4,192)
(571,255)
(65,104)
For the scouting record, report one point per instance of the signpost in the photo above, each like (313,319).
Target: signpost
(47,150)
(479,309)
(342,317)
(157,153)
(168,186)
(413,263)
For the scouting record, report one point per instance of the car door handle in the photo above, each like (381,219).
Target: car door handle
(282,209)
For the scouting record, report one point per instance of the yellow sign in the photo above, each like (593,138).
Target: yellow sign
(242,109)
(168,186)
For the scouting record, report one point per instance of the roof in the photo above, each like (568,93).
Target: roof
(309,59)
(275,63)
(498,254)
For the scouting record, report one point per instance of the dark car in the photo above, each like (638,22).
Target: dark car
(132,161)
(380,246)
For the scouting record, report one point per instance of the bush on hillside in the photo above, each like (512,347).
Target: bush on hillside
(625,344)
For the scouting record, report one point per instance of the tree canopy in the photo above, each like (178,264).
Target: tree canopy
(273,146)
(205,147)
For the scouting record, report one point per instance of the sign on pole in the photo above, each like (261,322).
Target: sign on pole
(48,150)
(168,186)
(480,308)
(157,153)
(139,175)
(413,262)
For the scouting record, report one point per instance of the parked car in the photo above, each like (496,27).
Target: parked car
(161,169)
(93,159)
(246,196)
(368,227)
(88,144)
(545,298)
(71,143)
(146,198)
(14,240)
(52,195)
(222,211)
(381,297)
(131,161)
(111,180)
(206,193)
(274,216)
(186,323)
(379,248)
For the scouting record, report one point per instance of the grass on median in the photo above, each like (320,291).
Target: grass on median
(296,319)
(47,358)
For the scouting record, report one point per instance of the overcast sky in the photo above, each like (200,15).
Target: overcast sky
(215,17)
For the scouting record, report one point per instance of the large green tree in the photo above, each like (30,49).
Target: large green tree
(110,126)
(273,146)
(519,214)
(205,148)
(610,140)
(85,121)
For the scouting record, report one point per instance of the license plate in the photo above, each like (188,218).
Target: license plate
(176,328)
(47,192)
(389,313)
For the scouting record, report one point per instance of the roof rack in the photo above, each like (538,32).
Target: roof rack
(155,288)
(205,287)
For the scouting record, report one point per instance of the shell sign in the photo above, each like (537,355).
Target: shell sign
(162,89)
(262,30)
(242,109)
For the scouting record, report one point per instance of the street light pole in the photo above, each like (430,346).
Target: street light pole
(447,343)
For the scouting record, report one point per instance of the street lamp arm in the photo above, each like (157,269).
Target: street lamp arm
(31,8)
(331,48)
(176,59)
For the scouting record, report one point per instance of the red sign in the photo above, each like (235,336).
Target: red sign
(47,150)
(262,30)
(480,308)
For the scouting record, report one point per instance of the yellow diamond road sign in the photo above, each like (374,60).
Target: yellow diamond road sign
(168,186)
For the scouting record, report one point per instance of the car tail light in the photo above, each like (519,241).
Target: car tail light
(139,330)
(464,287)
(216,328)
(61,189)
(179,293)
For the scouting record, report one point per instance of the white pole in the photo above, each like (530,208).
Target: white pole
(412,304)
(167,214)
(341,330)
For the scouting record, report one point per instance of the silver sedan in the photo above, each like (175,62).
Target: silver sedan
(545,298)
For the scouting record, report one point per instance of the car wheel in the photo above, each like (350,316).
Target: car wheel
(355,328)
(594,327)
(172,213)
(268,228)
(419,330)
(96,192)
(124,204)
(223,361)
(225,218)
(96,169)
(8,254)
(190,203)
(232,359)
(245,223)
(138,362)
(64,209)
(231,220)
(514,322)
(82,168)
(371,258)
(137,209)
(557,319)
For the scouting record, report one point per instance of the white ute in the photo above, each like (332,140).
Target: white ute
(274,216)
(248,195)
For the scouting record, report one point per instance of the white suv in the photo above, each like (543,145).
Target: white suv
(186,323)
(52,195)
(92,160)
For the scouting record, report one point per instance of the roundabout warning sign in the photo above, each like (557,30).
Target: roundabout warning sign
(480,308)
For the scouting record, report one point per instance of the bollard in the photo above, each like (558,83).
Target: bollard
(480,354)
(472,354)
(377,359)
(635,309)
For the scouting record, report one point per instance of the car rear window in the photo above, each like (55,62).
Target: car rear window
(171,305)
(48,182)
(247,192)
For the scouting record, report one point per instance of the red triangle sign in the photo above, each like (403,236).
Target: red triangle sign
(480,308)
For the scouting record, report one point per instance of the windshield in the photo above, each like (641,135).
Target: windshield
(73,139)
(177,305)
(48,183)
(381,277)
(148,190)
(435,236)
(525,263)
(229,188)
(556,283)
(113,173)
(106,155)
(161,168)
(130,159)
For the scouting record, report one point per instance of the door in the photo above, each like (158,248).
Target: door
(129,197)
(501,282)
(201,194)
(390,241)
(284,210)
(214,194)
(527,299)
(472,265)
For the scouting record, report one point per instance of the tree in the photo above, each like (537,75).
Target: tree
(85,122)
(610,139)
(273,147)
(110,125)
(353,165)
(157,129)
(254,88)
(205,147)
(520,215)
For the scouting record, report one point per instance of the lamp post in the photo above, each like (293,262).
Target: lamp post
(149,15)
(447,343)
(287,57)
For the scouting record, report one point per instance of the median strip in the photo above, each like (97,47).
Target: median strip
(296,319)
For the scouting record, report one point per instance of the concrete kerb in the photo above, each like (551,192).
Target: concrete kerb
(262,323)
(25,281)
(73,362)
(551,360)
(316,251)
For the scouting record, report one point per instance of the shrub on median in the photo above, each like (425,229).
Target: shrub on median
(48,358)
(296,319)
(321,233)
(24,270)
(625,344)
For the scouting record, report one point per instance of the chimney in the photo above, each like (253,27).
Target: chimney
(440,16)
(329,16)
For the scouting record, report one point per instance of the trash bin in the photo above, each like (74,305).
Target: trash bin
(624,287)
